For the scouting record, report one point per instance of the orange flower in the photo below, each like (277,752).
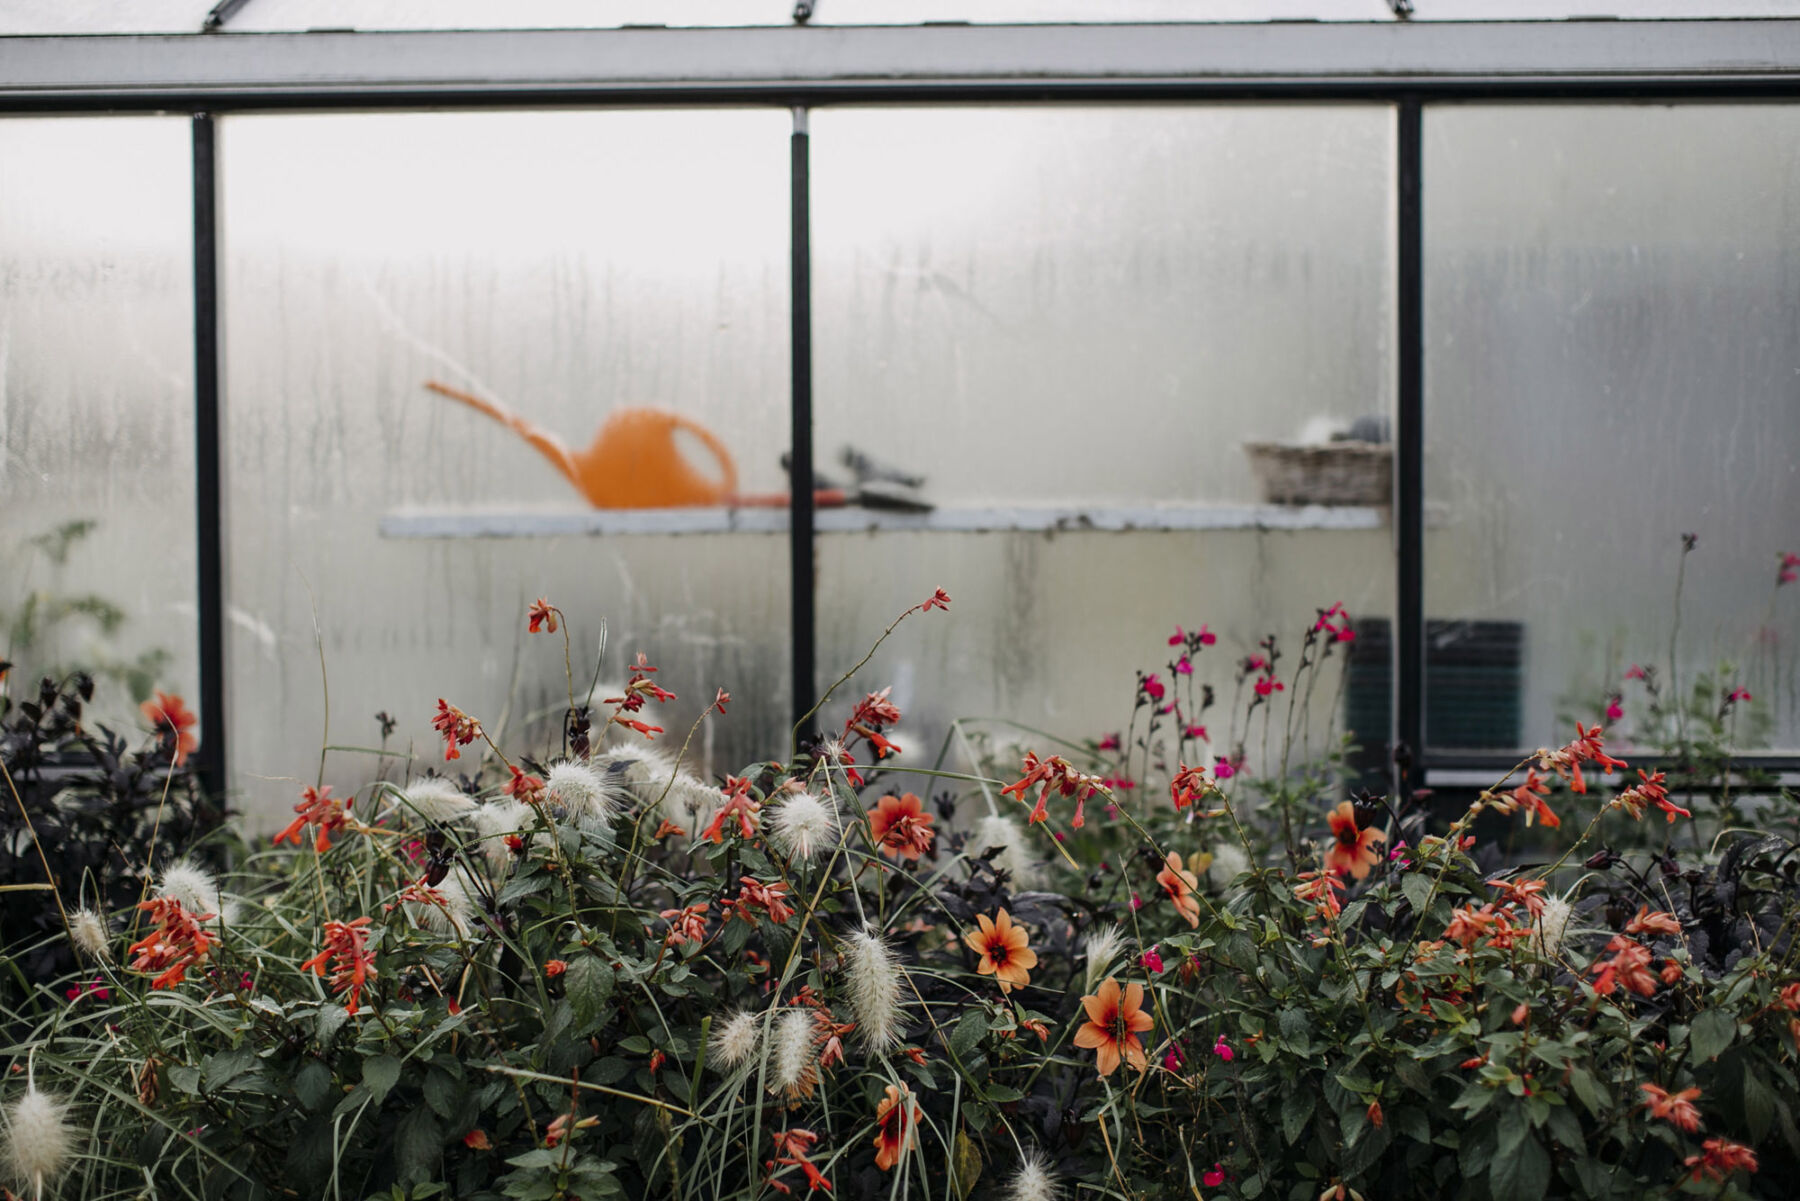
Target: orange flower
(686,925)
(754,894)
(1180,884)
(1321,888)
(894,1120)
(457,727)
(1675,1108)
(555,967)
(354,963)
(169,714)
(739,806)
(1114,1022)
(791,1150)
(1188,786)
(477,1140)
(1630,966)
(319,808)
(1719,1158)
(901,826)
(1002,948)
(543,615)
(1353,853)
(179,941)
(1653,923)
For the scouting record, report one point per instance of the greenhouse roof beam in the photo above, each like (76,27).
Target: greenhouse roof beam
(822,64)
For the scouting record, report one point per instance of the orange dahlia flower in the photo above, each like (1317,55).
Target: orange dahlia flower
(1115,1019)
(1002,948)
(1352,851)
(901,826)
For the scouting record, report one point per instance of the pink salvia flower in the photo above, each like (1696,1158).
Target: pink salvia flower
(1223,1050)
(1152,959)
(1614,710)
(1206,636)
(1184,666)
(1178,637)
(1634,672)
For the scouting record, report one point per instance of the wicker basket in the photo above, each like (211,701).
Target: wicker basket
(1332,473)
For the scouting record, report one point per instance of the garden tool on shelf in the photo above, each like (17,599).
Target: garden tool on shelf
(635,462)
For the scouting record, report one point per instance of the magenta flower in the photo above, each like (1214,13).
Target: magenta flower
(1197,732)
(1223,1050)
(1184,666)
(1153,687)
(1787,574)
(1223,768)
(1178,637)
(1740,693)
(1137,902)
(1269,685)
(1152,959)
(1634,673)
(1110,743)
(1614,710)
(1172,1059)
(1206,636)
(1213,1178)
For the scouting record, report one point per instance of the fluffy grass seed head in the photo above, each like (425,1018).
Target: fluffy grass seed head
(996,830)
(802,826)
(795,1068)
(875,979)
(1552,925)
(456,915)
(1033,1181)
(1228,863)
(437,800)
(88,930)
(1103,946)
(581,790)
(734,1043)
(193,886)
(493,822)
(39,1139)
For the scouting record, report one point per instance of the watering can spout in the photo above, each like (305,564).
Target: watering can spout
(634,462)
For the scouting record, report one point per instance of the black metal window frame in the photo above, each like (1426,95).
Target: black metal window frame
(1405,67)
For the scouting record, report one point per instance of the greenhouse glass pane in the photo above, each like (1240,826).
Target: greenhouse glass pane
(103,16)
(1611,363)
(97,406)
(1080,316)
(572,266)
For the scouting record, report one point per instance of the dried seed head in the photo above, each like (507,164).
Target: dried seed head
(1014,857)
(39,1139)
(736,1040)
(1033,1181)
(875,979)
(88,930)
(802,826)
(437,800)
(1103,946)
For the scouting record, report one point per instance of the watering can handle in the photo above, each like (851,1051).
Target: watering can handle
(727,468)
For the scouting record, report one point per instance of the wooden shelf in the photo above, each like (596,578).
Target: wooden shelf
(528,523)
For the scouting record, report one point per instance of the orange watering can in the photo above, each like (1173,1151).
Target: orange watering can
(633,462)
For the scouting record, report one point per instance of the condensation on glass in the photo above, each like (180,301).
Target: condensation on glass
(1097,307)
(1611,362)
(566,264)
(97,405)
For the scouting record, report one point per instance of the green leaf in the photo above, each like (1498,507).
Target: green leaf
(1510,1130)
(329,1020)
(1411,1122)
(309,1154)
(1590,1093)
(380,1074)
(1523,1175)
(221,1069)
(442,1093)
(1000,1094)
(186,1079)
(312,1084)
(1296,1112)
(968,1034)
(1711,1033)
(418,1145)
(966,1167)
(1417,887)
(1759,1106)
(1296,1030)
(589,983)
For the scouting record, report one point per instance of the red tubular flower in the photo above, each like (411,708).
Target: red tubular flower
(739,806)
(319,808)
(1528,894)
(1719,1158)
(169,715)
(1189,785)
(753,894)
(1469,925)
(1630,966)
(1653,923)
(1352,852)
(457,728)
(791,1150)
(1649,790)
(1054,773)
(1530,795)
(686,925)
(529,789)
(648,731)
(1321,888)
(543,616)
(352,963)
(901,827)
(1587,747)
(1674,1108)
(180,941)
(937,600)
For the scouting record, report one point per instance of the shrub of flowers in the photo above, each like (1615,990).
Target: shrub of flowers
(1127,968)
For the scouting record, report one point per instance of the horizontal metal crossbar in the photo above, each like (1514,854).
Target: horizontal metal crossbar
(823,64)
